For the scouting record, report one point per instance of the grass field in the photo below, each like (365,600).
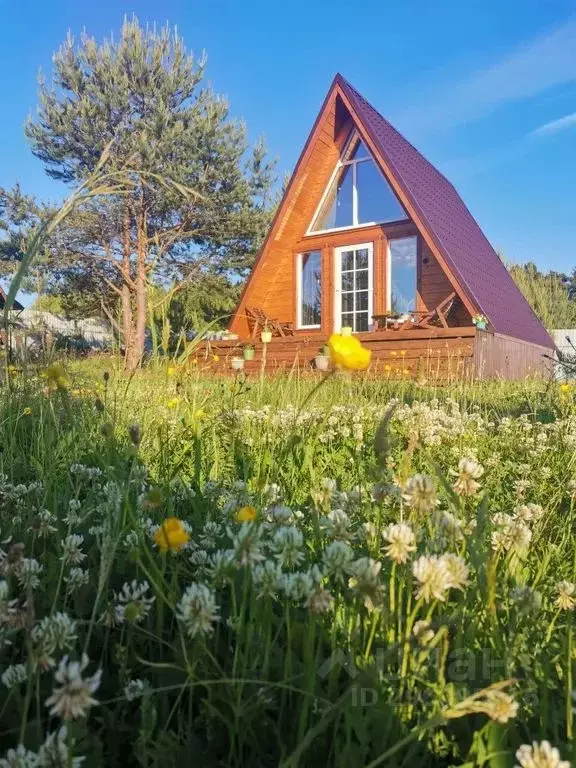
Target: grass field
(270,573)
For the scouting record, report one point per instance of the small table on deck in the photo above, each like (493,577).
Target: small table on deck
(396,321)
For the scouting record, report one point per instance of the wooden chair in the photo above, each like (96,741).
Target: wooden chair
(258,319)
(437,316)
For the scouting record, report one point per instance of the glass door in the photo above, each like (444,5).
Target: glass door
(353,287)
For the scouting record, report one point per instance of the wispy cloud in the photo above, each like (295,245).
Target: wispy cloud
(555,126)
(534,67)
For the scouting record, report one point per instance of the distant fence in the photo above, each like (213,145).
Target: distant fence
(564,338)
(31,327)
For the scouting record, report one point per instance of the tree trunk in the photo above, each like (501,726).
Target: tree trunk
(141,304)
(127,320)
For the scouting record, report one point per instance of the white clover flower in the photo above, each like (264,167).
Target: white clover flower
(133,603)
(210,534)
(72,697)
(457,569)
(54,633)
(566,599)
(433,578)
(272,492)
(43,524)
(135,689)
(222,565)
(27,573)
(337,558)
(267,579)
(14,675)
(72,549)
(528,513)
(336,524)
(423,632)
(198,610)
(246,543)
(281,514)
(451,526)
(401,542)
(298,586)
(55,753)
(287,543)
(469,472)
(19,758)
(8,608)
(499,706)
(365,581)
(510,533)
(420,494)
(540,755)
(76,578)
(319,600)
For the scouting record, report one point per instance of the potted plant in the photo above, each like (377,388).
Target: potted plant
(248,352)
(322,359)
(266,335)
(480,322)
(346,330)
(237,363)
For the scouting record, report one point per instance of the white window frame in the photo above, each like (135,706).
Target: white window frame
(299,323)
(389,271)
(338,282)
(354,163)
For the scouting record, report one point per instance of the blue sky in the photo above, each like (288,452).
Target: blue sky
(485,88)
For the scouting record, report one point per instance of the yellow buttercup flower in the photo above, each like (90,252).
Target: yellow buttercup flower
(348,352)
(200,414)
(56,376)
(565,388)
(171,535)
(171,370)
(27,411)
(215,358)
(173,402)
(246,514)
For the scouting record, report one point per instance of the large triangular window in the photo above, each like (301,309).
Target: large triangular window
(357,194)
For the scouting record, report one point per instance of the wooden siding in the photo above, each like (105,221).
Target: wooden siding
(503,357)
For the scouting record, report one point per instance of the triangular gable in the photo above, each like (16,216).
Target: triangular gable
(448,226)
(357,193)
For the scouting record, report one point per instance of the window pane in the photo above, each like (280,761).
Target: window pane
(347,302)
(376,200)
(348,320)
(362,280)
(348,281)
(362,300)
(403,273)
(361,322)
(337,208)
(347,260)
(362,258)
(311,288)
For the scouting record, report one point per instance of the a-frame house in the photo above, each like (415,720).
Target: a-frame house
(370,236)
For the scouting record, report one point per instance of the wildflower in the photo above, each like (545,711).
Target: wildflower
(56,376)
(319,600)
(19,758)
(299,585)
(72,698)
(281,514)
(42,524)
(422,632)
(287,543)
(566,599)
(170,371)
(540,755)
(433,576)
(215,358)
(14,675)
(247,545)
(457,569)
(267,578)
(133,602)
(365,581)
(510,533)
(499,706)
(134,689)
(210,534)
(246,514)
(171,535)
(27,573)
(198,610)
(336,524)
(76,578)
(469,472)
(55,752)
(347,352)
(174,402)
(420,493)
(54,633)
(27,411)
(401,541)
(528,513)
(337,558)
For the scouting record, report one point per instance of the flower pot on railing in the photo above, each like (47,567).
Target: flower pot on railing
(321,362)
(346,330)
(481,325)
(266,336)
(248,352)
(237,363)
(480,322)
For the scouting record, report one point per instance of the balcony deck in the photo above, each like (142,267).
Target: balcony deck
(430,354)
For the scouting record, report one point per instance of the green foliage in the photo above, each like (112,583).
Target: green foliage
(547,293)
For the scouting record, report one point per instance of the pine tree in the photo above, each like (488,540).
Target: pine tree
(143,97)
